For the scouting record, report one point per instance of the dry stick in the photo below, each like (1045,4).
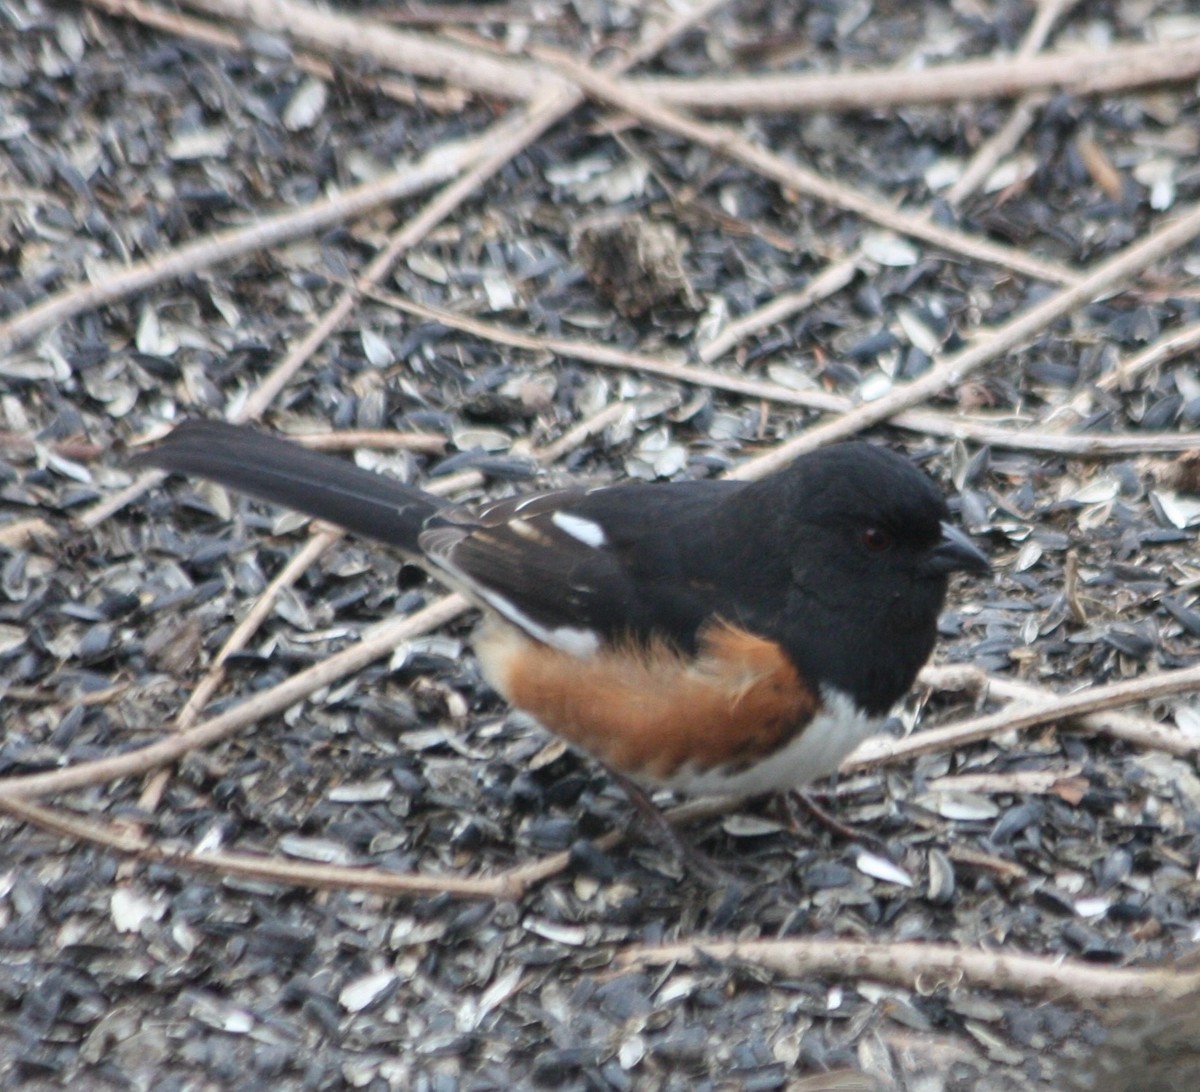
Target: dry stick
(1003,141)
(731,144)
(345,439)
(1026,782)
(952,370)
(1140,731)
(429,443)
(427,55)
(923,421)
(584,430)
(379,641)
(1167,347)
(927,966)
(975,858)
(840,273)
(319,877)
(511,884)
(1048,709)
(222,246)
(197,30)
(830,280)
(114,502)
(297,565)
(1024,110)
(440,14)
(1078,72)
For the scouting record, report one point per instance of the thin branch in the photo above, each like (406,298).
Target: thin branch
(927,966)
(1074,72)
(951,426)
(223,246)
(429,56)
(793,177)
(1139,731)
(1024,110)
(183,26)
(833,278)
(378,642)
(1168,347)
(1054,708)
(297,565)
(511,884)
(952,370)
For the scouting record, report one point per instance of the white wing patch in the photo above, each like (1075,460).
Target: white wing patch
(569,639)
(584,530)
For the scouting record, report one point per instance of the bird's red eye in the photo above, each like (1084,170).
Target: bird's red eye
(876,539)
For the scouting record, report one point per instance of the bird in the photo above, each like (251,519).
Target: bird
(709,637)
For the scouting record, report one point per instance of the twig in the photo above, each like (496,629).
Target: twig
(1139,731)
(832,279)
(1167,347)
(880,750)
(927,966)
(1024,110)
(1063,781)
(429,56)
(511,884)
(583,431)
(378,642)
(730,143)
(297,565)
(1076,72)
(183,26)
(952,370)
(222,246)
(345,439)
(957,427)
(1009,871)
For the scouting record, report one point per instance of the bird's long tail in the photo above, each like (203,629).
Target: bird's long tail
(284,473)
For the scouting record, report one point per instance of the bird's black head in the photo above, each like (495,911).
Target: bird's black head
(863,543)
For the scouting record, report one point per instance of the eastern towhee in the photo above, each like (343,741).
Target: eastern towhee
(703,636)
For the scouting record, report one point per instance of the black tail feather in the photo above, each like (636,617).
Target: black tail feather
(284,473)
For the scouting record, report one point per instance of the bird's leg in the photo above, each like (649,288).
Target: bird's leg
(798,798)
(667,836)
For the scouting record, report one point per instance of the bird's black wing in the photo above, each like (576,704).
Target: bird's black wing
(577,567)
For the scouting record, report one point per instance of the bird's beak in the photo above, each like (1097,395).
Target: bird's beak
(957,553)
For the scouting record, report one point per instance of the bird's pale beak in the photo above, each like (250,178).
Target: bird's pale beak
(957,553)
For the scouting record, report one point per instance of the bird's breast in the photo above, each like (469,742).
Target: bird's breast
(737,717)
